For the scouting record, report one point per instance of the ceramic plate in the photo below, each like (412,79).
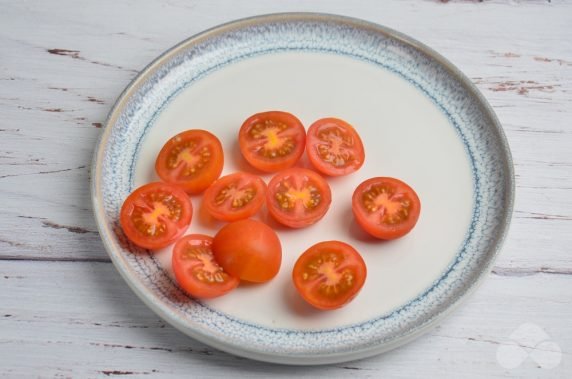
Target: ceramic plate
(421,120)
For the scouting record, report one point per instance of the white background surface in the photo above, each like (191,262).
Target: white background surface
(65,312)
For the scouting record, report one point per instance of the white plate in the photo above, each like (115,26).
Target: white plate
(421,121)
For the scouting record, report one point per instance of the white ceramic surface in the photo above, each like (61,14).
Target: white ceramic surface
(420,120)
(379,104)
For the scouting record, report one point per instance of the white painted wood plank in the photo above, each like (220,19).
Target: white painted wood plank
(63,64)
(51,101)
(80,319)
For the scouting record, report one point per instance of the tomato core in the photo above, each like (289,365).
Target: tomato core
(329,274)
(386,208)
(205,268)
(334,147)
(392,207)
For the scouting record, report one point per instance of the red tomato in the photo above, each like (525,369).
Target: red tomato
(155,215)
(334,147)
(192,159)
(329,274)
(272,141)
(196,270)
(386,208)
(235,196)
(298,197)
(249,250)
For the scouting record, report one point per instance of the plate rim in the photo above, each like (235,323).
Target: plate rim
(319,358)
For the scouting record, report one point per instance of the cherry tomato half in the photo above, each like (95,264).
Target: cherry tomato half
(386,208)
(249,250)
(196,270)
(192,159)
(235,196)
(298,197)
(334,147)
(329,274)
(155,215)
(272,141)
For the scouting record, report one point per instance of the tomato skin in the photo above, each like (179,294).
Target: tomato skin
(298,212)
(158,198)
(334,147)
(251,191)
(336,266)
(249,250)
(196,270)
(190,150)
(400,196)
(289,142)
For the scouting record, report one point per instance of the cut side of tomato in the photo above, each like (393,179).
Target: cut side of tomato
(272,141)
(386,208)
(196,269)
(234,197)
(334,147)
(155,215)
(192,159)
(329,274)
(249,250)
(298,197)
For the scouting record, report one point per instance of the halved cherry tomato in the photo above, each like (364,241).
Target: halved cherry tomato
(334,147)
(196,270)
(329,274)
(272,141)
(386,208)
(249,250)
(235,196)
(155,215)
(192,159)
(298,197)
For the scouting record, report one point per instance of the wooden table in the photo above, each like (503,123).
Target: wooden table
(65,312)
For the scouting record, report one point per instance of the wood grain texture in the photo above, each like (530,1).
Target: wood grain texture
(66,313)
(100,326)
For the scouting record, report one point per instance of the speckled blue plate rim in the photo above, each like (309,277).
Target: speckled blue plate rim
(307,358)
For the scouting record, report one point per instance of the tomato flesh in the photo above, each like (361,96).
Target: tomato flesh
(298,197)
(155,215)
(235,196)
(334,147)
(249,250)
(196,269)
(329,274)
(386,208)
(272,141)
(192,159)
